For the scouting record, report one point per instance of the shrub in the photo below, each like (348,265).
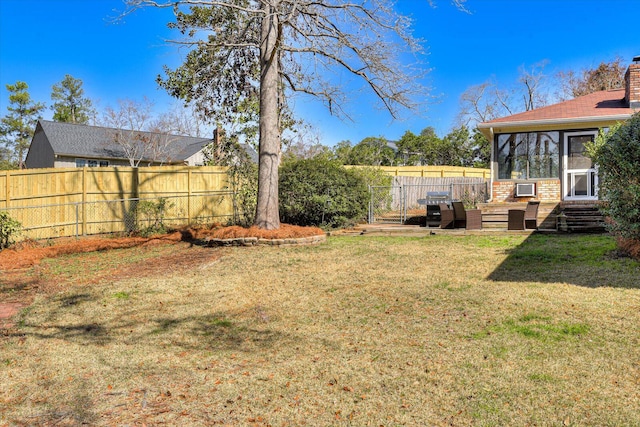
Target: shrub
(373,176)
(617,155)
(152,215)
(321,192)
(9,229)
(243,182)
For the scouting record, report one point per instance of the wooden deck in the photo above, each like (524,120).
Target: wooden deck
(552,216)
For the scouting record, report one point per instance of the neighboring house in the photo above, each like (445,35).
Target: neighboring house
(541,153)
(61,145)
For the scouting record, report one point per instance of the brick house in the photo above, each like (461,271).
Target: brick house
(540,154)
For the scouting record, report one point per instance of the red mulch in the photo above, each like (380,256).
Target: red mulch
(29,253)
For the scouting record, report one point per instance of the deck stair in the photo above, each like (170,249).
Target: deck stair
(580,218)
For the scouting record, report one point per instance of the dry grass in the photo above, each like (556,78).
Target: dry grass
(359,331)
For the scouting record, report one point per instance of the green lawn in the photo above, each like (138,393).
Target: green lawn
(358,331)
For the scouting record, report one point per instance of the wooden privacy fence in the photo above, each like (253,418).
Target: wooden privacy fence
(469,190)
(437,171)
(71,201)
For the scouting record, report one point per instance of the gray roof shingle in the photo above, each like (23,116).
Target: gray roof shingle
(94,141)
(98,142)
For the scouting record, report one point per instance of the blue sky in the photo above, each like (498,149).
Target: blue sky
(42,40)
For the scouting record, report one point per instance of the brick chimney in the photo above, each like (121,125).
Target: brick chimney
(632,84)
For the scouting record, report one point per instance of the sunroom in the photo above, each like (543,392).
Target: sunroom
(540,154)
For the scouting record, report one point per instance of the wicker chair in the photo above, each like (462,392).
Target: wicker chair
(460,215)
(531,215)
(447,218)
(522,219)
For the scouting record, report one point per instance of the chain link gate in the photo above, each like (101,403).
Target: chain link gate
(386,204)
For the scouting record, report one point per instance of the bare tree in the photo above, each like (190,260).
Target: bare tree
(476,106)
(126,124)
(606,76)
(267,49)
(533,79)
(181,120)
(488,101)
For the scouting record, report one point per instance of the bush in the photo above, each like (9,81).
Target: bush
(243,182)
(9,229)
(152,214)
(373,176)
(321,192)
(617,155)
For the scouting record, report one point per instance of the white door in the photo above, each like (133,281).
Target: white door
(580,180)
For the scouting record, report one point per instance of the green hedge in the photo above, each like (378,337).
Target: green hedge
(617,154)
(321,192)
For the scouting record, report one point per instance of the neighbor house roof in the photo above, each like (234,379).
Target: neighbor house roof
(592,110)
(98,142)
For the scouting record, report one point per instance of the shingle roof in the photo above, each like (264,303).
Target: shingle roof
(593,105)
(95,141)
(98,142)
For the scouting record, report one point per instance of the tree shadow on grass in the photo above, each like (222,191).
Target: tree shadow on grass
(218,331)
(580,259)
(75,409)
(215,331)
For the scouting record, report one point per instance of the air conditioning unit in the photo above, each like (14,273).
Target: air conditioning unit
(526,190)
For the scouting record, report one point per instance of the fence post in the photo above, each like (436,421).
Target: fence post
(370,216)
(84,201)
(189,196)
(403,216)
(7,192)
(77,220)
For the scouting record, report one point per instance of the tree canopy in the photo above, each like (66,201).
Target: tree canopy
(460,147)
(606,76)
(243,50)
(18,126)
(70,104)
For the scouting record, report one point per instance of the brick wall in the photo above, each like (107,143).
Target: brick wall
(632,85)
(547,190)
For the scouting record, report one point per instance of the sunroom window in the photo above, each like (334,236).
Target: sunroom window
(529,155)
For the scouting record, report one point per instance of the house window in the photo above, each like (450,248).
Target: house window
(80,163)
(529,155)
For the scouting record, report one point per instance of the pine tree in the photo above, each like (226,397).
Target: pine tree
(70,104)
(18,126)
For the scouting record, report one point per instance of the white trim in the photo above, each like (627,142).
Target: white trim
(569,174)
(541,122)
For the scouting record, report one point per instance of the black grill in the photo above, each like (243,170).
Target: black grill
(433,210)
(435,197)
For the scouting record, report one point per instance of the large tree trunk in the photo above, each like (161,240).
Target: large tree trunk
(267,214)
